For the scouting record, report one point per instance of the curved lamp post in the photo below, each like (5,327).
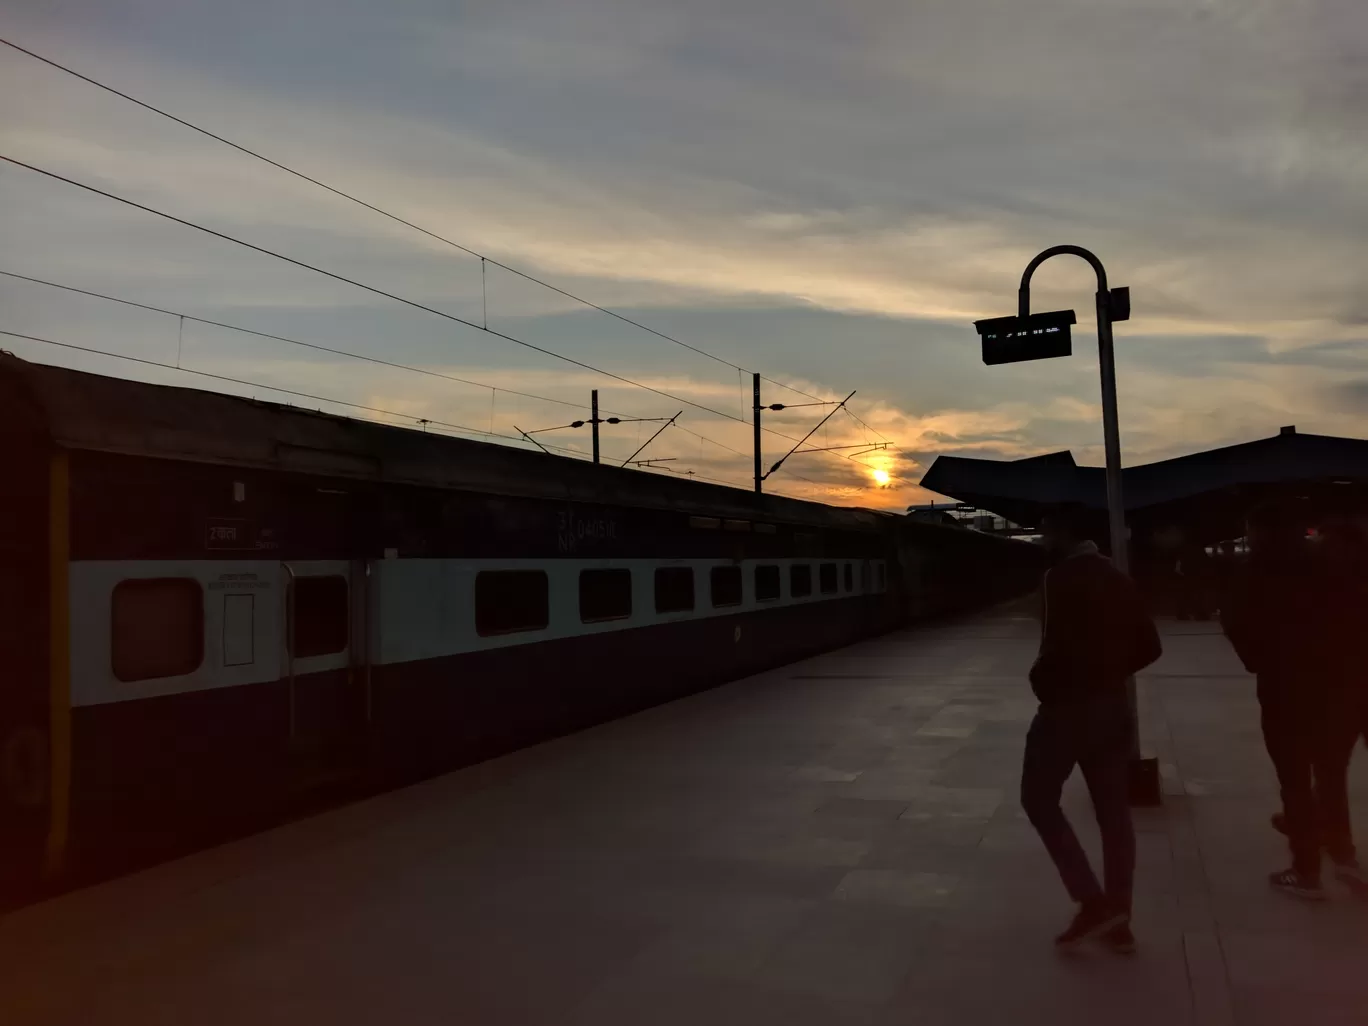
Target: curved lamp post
(1030,336)
(1111,305)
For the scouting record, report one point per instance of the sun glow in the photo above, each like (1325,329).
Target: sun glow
(881,478)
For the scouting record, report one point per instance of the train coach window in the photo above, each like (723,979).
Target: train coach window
(511,600)
(800,580)
(849,577)
(826,579)
(319,617)
(674,589)
(156,628)
(879,579)
(605,595)
(766,583)
(726,585)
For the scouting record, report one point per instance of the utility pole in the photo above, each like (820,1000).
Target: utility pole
(755,419)
(594,421)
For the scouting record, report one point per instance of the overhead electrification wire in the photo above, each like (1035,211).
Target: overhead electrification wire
(424,421)
(393,217)
(361,285)
(253,384)
(347,353)
(291,341)
(378,291)
(324,398)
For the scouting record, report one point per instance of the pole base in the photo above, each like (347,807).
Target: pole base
(1145,792)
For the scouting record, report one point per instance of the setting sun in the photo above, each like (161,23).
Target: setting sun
(881,478)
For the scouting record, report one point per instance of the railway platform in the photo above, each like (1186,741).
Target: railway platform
(834,842)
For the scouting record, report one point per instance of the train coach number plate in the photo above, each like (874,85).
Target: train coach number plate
(222,533)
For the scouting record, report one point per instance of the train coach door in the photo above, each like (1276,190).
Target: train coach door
(326,669)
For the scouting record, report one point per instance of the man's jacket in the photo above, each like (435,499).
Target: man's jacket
(1096,631)
(1281,619)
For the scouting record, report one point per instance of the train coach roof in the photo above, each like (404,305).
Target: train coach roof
(107,414)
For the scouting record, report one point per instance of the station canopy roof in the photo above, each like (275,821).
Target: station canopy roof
(1206,493)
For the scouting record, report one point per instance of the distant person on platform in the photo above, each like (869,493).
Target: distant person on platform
(1227,564)
(1279,620)
(1194,583)
(1096,634)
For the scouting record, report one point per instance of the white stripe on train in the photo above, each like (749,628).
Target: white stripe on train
(410,609)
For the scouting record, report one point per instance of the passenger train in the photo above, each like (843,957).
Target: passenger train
(219,612)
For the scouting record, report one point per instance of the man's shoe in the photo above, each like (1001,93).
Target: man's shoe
(1289,881)
(1351,874)
(1093,919)
(1119,939)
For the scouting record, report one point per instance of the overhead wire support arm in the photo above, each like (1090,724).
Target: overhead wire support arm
(799,406)
(814,430)
(558,427)
(528,436)
(864,447)
(653,462)
(648,441)
(595,420)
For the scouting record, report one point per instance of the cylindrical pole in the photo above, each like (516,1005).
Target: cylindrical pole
(1116,506)
(755,423)
(593,420)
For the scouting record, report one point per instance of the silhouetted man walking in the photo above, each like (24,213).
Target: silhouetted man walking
(1096,634)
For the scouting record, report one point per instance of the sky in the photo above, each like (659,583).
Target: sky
(826,193)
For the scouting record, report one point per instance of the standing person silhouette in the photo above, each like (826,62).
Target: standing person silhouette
(1096,634)
(1276,621)
(1342,563)
(1346,556)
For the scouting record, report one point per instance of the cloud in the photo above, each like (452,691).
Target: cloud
(1266,193)
(1348,396)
